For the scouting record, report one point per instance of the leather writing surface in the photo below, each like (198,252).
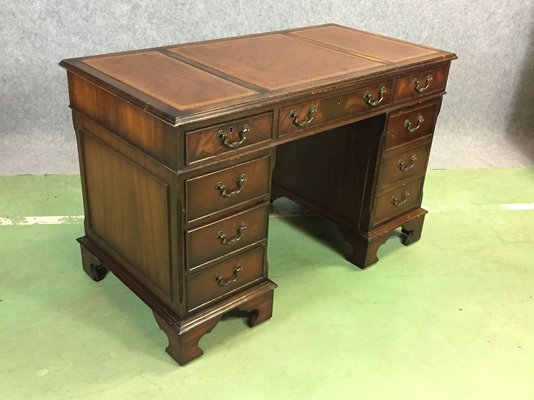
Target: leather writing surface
(169,80)
(364,43)
(274,61)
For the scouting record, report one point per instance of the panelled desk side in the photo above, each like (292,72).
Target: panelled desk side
(182,148)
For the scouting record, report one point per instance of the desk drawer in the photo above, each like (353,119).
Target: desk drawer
(409,125)
(227,235)
(421,84)
(311,113)
(397,200)
(228,187)
(230,136)
(404,162)
(225,277)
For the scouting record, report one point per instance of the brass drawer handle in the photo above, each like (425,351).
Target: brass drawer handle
(399,202)
(408,124)
(295,117)
(406,167)
(368,97)
(240,185)
(222,282)
(230,242)
(417,84)
(222,136)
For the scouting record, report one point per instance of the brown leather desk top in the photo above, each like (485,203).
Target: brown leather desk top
(178,82)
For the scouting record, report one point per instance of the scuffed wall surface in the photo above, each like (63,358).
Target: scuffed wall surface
(486,118)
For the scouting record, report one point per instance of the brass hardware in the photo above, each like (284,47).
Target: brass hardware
(412,129)
(399,202)
(230,242)
(222,136)
(295,117)
(368,97)
(222,282)
(420,89)
(240,185)
(405,167)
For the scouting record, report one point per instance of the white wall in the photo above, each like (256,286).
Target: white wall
(486,117)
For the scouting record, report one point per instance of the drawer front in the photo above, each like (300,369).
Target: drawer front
(228,187)
(405,162)
(398,200)
(227,235)
(225,277)
(421,84)
(309,114)
(410,125)
(209,142)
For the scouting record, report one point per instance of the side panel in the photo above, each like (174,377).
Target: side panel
(128,210)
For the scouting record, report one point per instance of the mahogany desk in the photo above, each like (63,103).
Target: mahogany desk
(183,147)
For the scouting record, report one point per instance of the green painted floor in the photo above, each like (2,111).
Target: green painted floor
(451,317)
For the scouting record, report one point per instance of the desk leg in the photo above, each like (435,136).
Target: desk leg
(364,248)
(184,335)
(259,309)
(92,265)
(183,347)
(412,230)
(365,245)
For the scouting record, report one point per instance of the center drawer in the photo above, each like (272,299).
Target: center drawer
(225,236)
(218,190)
(298,116)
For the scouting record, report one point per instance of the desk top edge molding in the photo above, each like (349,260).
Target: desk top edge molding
(254,96)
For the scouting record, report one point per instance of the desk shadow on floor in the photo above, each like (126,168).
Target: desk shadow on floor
(138,330)
(327,233)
